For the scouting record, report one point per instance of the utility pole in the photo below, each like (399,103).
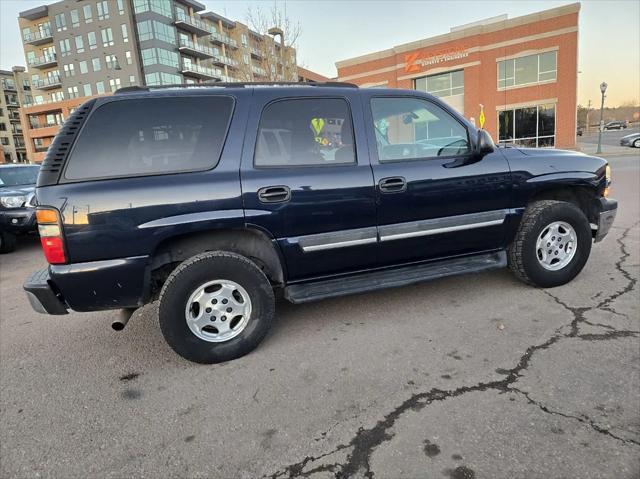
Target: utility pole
(588,110)
(603,89)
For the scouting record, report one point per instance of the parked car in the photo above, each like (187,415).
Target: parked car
(615,125)
(216,200)
(631,140)
(17,208)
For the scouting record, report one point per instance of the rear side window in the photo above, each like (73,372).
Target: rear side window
(305,132)
(151,136)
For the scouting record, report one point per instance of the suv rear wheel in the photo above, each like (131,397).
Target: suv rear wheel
(552,244)
(215,307)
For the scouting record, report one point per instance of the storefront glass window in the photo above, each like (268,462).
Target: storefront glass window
(527,70)
(532,126)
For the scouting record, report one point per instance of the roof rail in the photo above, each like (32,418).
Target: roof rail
(134,89)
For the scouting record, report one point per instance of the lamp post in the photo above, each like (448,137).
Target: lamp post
(603,89)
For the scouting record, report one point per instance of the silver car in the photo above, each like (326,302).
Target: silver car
(631,140)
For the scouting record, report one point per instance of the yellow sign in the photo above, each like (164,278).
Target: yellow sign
(317,124)
(481,117)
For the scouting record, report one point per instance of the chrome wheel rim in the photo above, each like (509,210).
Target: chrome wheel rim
(218,310)
(556,245)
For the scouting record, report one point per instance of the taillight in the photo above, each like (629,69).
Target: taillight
(51,235)
(607,174)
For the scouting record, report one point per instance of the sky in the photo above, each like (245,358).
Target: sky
(332,30)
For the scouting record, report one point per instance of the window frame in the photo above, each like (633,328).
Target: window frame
(514,141)
(328,165)
(442,105)
(110,100)
(538,73)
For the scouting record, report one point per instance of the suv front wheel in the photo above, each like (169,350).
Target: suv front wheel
(552,244)
(215,307)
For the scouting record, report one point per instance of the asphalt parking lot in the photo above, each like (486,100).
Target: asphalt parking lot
(469,377)
(609,137)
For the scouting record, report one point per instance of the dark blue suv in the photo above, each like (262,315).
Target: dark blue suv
(214,200)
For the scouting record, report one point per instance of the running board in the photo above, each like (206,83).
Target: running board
(392,278)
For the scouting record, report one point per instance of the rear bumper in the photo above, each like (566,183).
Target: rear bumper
(41,295)
(608,209)
(93,286)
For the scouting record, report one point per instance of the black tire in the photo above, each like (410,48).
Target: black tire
(7,242)
(193,273)
(522,255)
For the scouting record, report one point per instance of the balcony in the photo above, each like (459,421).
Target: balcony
(197,71)
(256,53)
(222,60)
(45,61)
(11,102)
(196,50)
(47,83)
(38,38)
(259,71)
(14,118)
(219,39)
(8,85)
(193,25)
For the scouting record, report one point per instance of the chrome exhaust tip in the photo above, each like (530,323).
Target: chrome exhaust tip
(124,315)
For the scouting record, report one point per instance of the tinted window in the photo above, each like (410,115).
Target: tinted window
(151,136)
(304,132)
(410,128)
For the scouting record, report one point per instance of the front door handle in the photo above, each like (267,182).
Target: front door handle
(274,194)
(393,184)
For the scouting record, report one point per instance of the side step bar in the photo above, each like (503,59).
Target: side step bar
(392,278)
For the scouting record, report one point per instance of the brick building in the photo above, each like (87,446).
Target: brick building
(523,71)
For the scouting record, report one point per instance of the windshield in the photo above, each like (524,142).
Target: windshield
(18,175)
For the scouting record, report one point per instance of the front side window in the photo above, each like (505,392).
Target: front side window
(412,128)
(151,136)
(527,70)
(531,126)
(305,132)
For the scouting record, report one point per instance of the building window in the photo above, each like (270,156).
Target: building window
(132,79)
(93,42)
(244,40)
(103,10)
(162,7)
(75,19)
(96,64)
(155,56)
(121,7)
(83,67)
(88,14)
(125,33)
(114,84)
(65,47)
(127,55)
(245,58)
(107,37)
(87,90)
(73,92)
(527,70)
(61,22)
(111,61)
(532,126)
(100,88)
(153,79)
(69,70)
(149,30)
(449,87)
(79,44)
(57,96)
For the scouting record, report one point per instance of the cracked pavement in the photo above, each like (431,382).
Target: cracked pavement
(468,377)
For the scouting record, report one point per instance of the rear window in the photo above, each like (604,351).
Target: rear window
(151,136)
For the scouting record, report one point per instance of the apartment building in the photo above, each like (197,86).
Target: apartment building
(15,91)
(519,74)
(81,48)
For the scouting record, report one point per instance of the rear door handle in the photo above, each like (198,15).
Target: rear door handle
(393,184)
(274,194)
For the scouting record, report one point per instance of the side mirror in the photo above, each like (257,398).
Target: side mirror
(485,143)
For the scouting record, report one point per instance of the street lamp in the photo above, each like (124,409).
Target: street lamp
(603,89)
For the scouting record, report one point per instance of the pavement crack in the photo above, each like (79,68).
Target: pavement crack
(583,419)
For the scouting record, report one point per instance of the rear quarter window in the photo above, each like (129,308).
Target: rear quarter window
(151,136)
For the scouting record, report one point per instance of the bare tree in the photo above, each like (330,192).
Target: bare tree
(274,50)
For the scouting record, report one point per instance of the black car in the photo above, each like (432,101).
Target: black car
(216,200)
(17,203)
(615,125)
